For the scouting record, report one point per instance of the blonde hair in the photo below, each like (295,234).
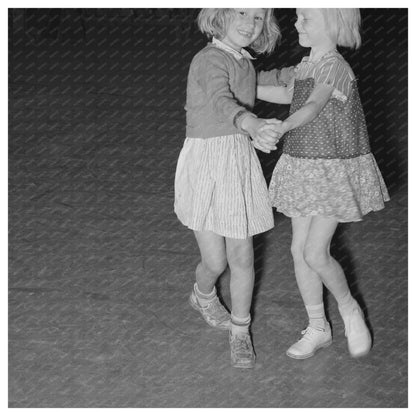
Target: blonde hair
(214,23)
(344,26)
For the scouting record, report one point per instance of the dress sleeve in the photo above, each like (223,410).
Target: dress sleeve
(338,74)
(213,77)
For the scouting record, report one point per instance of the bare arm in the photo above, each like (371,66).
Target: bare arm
(273,94)
(313,106)
(276,77)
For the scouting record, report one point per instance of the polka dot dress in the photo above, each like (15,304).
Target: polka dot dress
(327,167)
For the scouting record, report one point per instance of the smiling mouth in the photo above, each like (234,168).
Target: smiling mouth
(245,34)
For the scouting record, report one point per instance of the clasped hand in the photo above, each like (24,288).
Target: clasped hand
(267,134)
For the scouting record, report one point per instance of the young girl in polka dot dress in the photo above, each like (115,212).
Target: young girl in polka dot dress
(327,173)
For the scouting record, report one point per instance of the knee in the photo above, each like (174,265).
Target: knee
(297,251)
(241,257)
(315,257)
(242,262)
(214,268)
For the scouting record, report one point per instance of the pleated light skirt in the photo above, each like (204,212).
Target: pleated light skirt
(220,187)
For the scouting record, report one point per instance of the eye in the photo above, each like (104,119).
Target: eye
(259,18)
(242,13)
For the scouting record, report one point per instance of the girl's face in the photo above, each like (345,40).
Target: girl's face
(244,28)
(311,28)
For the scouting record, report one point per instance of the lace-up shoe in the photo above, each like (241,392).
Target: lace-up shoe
(214,313)
(312,340)
(242,353)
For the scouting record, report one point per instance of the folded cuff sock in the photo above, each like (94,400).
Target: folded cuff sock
(346,304)
(201,295)
(240,325)
(204,299)
(316,314)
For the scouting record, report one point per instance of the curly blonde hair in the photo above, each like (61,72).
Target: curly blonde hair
(214,23)
(344,26)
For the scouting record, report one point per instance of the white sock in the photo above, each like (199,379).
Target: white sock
(316,314)
(204,299)
(346,304)
(240,325)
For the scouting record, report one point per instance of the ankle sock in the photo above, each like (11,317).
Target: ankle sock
(203,298)
(316,314)
(240,325)
(346,304)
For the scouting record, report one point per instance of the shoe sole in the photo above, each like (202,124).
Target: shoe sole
(304,357)
(361,354)
(196,307)
(243,365)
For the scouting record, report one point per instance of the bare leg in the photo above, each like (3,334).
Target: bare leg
(318,257)
(318,333)
(240,257)
(204,297)
(213,259)
(309,282)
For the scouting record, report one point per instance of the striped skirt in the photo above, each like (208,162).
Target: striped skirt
(220,187)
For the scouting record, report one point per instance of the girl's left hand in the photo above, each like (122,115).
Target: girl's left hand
(262,131)
(271,130)
(267,135)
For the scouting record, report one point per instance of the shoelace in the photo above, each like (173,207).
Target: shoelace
(216,307)
(308,333)
(242,345)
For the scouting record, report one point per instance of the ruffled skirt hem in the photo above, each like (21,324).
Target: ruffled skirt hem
(344,189)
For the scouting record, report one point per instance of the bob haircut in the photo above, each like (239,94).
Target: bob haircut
(344,26)
(214,23)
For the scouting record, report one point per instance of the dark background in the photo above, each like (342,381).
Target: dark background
(154,47)
(100,268)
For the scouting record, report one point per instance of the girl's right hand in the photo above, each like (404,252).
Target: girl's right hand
(264,146)
(267,134)
(263,132)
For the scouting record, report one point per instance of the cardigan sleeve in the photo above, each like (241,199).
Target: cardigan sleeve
(212,75)
(268,77)
(276,77)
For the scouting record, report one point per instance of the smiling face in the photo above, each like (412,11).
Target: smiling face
(244,28)
(311,27)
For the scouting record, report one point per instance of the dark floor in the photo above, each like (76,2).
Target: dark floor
(101,269)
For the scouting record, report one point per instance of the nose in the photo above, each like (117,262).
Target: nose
(251,22)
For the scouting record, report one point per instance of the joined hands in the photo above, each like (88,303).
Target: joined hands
(267,135)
